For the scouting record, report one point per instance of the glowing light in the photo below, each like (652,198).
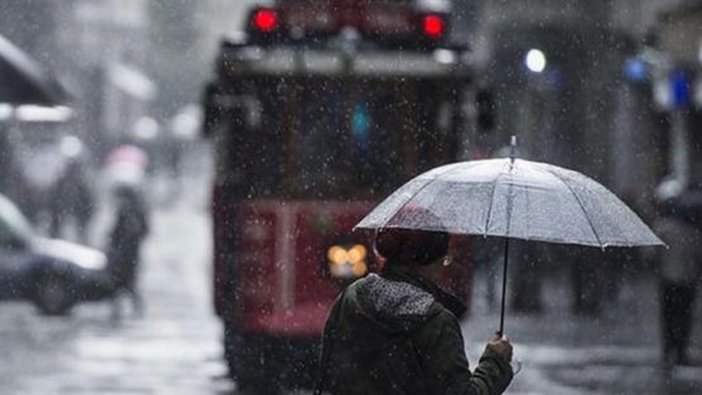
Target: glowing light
(360,269)
(635,69)
(337,255)
(535,60)
(145,128)
(34,113)
(266,20)
(347,263)
(71,146)
(5,111)
(434,26)
(357,253)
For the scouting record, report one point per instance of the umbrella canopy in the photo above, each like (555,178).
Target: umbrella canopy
(23,81)
(514,198)
(126,165)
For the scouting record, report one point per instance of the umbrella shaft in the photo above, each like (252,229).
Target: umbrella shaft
(504,288)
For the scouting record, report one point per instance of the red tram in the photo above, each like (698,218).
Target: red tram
(316,113)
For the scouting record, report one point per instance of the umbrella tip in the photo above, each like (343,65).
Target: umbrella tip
(513,148)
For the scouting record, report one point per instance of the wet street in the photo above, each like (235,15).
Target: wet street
(614,353)
(174,348)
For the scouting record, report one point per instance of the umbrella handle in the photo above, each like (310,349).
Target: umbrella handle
(513,149)
(501,332)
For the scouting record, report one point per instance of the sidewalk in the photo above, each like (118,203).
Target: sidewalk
(562,353)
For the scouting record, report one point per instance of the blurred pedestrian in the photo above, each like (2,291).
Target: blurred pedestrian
(71,198)
(128,232)
(680,270)
(398,332)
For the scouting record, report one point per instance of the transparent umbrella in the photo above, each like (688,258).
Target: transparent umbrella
(513,198)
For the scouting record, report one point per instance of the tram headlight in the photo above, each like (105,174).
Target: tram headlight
(347,263)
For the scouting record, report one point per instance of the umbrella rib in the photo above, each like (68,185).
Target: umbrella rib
(580,203)
(492,201)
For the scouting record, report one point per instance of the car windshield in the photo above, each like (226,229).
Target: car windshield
(347,143)
(332,139)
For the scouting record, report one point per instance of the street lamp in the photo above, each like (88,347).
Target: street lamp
(535,60)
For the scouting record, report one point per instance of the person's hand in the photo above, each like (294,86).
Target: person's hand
(502,346)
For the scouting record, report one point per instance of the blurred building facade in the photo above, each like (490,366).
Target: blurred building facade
(604,100)
(584,84)
(580,110)
(122,61)
(621,81)
(135,58)
(134,70)
(677,89)
(98,49)
(106,51)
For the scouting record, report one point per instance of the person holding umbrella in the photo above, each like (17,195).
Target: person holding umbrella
(398,332)
(507,199)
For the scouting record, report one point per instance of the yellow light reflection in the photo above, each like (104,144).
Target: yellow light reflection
(357,253)
(337,255)
(347,263)
(359,269)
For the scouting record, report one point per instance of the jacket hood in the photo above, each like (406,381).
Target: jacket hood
(396,306)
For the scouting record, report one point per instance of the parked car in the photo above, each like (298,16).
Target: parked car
(54,274)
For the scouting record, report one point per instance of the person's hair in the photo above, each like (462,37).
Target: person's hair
(405,246)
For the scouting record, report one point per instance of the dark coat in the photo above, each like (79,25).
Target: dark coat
(130,228)
(71,196)
(397,333)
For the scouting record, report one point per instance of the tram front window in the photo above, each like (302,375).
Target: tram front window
(347,144)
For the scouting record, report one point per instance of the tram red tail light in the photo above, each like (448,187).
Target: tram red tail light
(389,23)
(433,26)
(265,20)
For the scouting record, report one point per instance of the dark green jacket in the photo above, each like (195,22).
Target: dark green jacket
(397,333)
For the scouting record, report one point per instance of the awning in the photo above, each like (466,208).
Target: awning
(24,81)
